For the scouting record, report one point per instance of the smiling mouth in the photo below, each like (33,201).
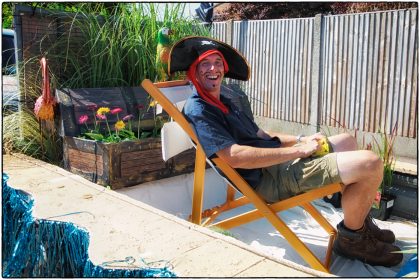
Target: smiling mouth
(212,77)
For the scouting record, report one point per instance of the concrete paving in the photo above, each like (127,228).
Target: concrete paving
(406,166)
(121,227)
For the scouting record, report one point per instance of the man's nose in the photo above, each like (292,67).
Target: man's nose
(212,67)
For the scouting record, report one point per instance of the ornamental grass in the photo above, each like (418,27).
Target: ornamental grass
(93,49)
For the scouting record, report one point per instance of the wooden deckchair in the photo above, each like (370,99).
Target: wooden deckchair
(234,180)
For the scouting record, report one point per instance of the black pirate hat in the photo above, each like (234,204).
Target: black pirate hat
(187,50)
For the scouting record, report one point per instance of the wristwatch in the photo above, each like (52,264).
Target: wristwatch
(299,138)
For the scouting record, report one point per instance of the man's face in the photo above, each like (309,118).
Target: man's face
(210,72)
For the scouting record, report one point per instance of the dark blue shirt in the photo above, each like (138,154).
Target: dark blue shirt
(216,130)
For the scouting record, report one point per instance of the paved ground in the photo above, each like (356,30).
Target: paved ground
(120,227)
(406,166)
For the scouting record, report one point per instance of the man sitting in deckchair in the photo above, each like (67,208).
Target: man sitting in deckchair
(277,165)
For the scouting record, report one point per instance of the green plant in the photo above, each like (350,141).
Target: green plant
(7,15)
(384,148)
(223,231)
(122,130)
(8,8)
(23,133)
(118,49)
(97,46)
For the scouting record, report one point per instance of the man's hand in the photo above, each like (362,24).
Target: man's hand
(309,148)
(317,136)
(311,144)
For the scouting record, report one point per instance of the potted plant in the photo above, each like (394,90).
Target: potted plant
(91,48)
(112,138)
(122,129)
(384,201)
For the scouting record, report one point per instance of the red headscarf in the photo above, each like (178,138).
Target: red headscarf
(203,93)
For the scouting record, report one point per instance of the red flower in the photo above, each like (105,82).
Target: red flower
(83,119)
(140,106)
(116,111)
(128,117)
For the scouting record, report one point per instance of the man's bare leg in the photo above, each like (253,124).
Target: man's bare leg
(361,172)
(358,237)
(343,142)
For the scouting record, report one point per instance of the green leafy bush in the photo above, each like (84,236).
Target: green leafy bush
(97,46)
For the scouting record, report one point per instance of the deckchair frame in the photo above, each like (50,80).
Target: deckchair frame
(269,211)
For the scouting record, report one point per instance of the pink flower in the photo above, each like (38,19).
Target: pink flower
(116,111)
(378,196)
(92,107)
(83,119)
(128,117)
(102,117)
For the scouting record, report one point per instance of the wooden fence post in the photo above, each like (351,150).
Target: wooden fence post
(316,79)
(229,32)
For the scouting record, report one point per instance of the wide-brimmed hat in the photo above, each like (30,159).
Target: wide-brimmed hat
(184,52)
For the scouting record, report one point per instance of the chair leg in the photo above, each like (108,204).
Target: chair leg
(230,203)
(198,189)
(279,206)
(296,243)
(326,226)
(329,250)
(287,233)
(214,212)
(269,212)
(230,193)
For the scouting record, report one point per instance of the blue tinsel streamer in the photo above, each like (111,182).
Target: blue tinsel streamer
(44,248)
(410,267)
(17,213)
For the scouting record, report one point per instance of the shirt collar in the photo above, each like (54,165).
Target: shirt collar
(223,98)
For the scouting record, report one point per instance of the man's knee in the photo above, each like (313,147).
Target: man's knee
(362,165)
(343,142)
(372,164)
(349,138)
(350,141)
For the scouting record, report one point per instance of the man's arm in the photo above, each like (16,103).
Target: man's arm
(241,156)
(247,157)
(286,139)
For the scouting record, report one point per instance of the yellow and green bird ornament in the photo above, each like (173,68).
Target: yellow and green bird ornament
(162,53)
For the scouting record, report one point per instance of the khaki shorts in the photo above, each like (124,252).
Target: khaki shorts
(291,178)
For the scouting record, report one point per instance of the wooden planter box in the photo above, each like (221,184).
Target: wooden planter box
(121,164)
(126,163)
